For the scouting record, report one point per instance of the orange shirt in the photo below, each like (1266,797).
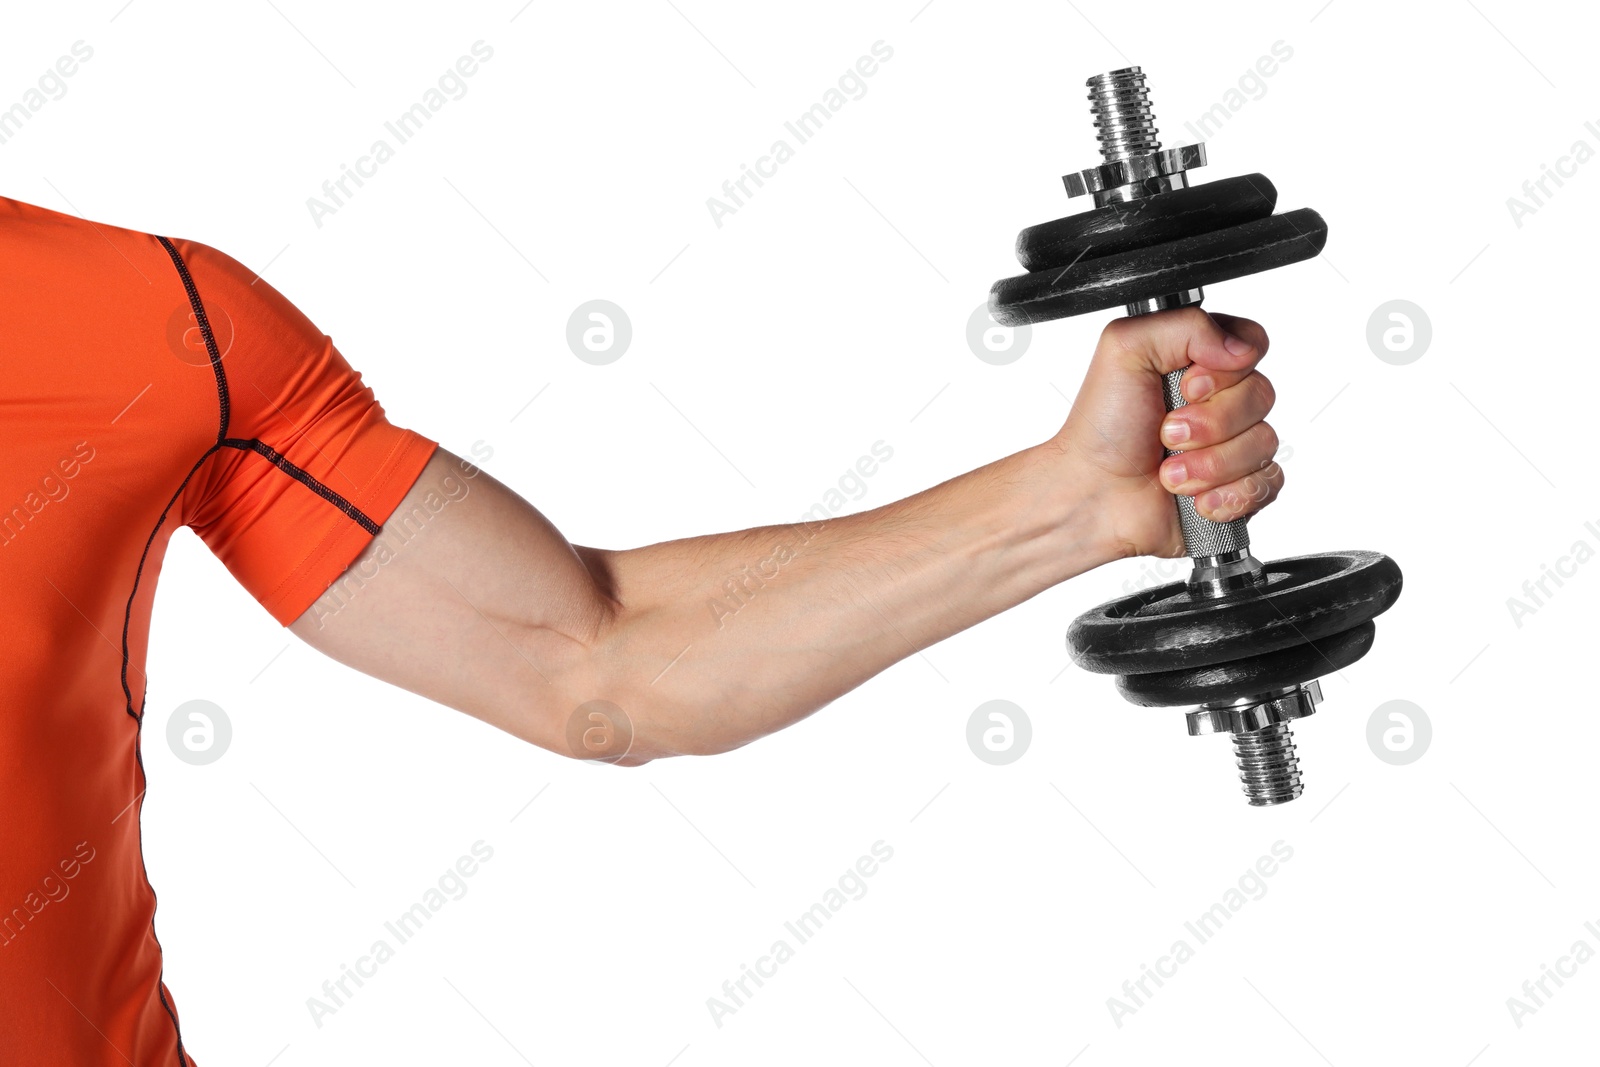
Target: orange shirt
(145,384)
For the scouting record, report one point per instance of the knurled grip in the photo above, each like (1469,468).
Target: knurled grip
(1201,536)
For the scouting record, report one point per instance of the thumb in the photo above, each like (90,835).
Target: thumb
(1171,340)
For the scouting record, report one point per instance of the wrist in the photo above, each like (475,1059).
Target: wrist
(1073,509)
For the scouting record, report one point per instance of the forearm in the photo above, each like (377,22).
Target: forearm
(715,641)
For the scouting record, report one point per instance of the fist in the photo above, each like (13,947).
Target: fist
(1119,427)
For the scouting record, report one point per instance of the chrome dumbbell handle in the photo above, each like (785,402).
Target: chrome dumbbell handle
(1201,537)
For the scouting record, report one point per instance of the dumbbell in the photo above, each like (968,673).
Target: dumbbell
(1241,642)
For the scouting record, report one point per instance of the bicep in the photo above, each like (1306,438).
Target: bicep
(470,597)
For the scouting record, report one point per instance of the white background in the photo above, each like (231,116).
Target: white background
(829,313)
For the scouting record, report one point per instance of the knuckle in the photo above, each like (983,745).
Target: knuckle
(1121,334)
(1264,491)
(1269,442)
(1266,394)
(1261,332)
(1252,331)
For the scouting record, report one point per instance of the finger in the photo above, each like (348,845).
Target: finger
(1221,416)
(1193,473)
(1241,497)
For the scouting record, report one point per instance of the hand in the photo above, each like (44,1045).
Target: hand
(1119,424)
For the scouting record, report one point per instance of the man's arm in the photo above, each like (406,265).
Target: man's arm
(472,598)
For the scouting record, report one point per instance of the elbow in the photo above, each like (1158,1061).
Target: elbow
(636,733)
(639,718)
(601,731)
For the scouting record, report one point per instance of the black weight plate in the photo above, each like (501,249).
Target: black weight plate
(1249,677)
(1140,223)
(1303,598)
(1115,280)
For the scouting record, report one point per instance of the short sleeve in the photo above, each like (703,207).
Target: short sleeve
(310,467)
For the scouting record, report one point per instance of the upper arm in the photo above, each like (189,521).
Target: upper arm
(378,548)
(472,598)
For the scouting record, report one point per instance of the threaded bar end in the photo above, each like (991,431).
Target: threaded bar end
(1123,119)
(1268,766)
